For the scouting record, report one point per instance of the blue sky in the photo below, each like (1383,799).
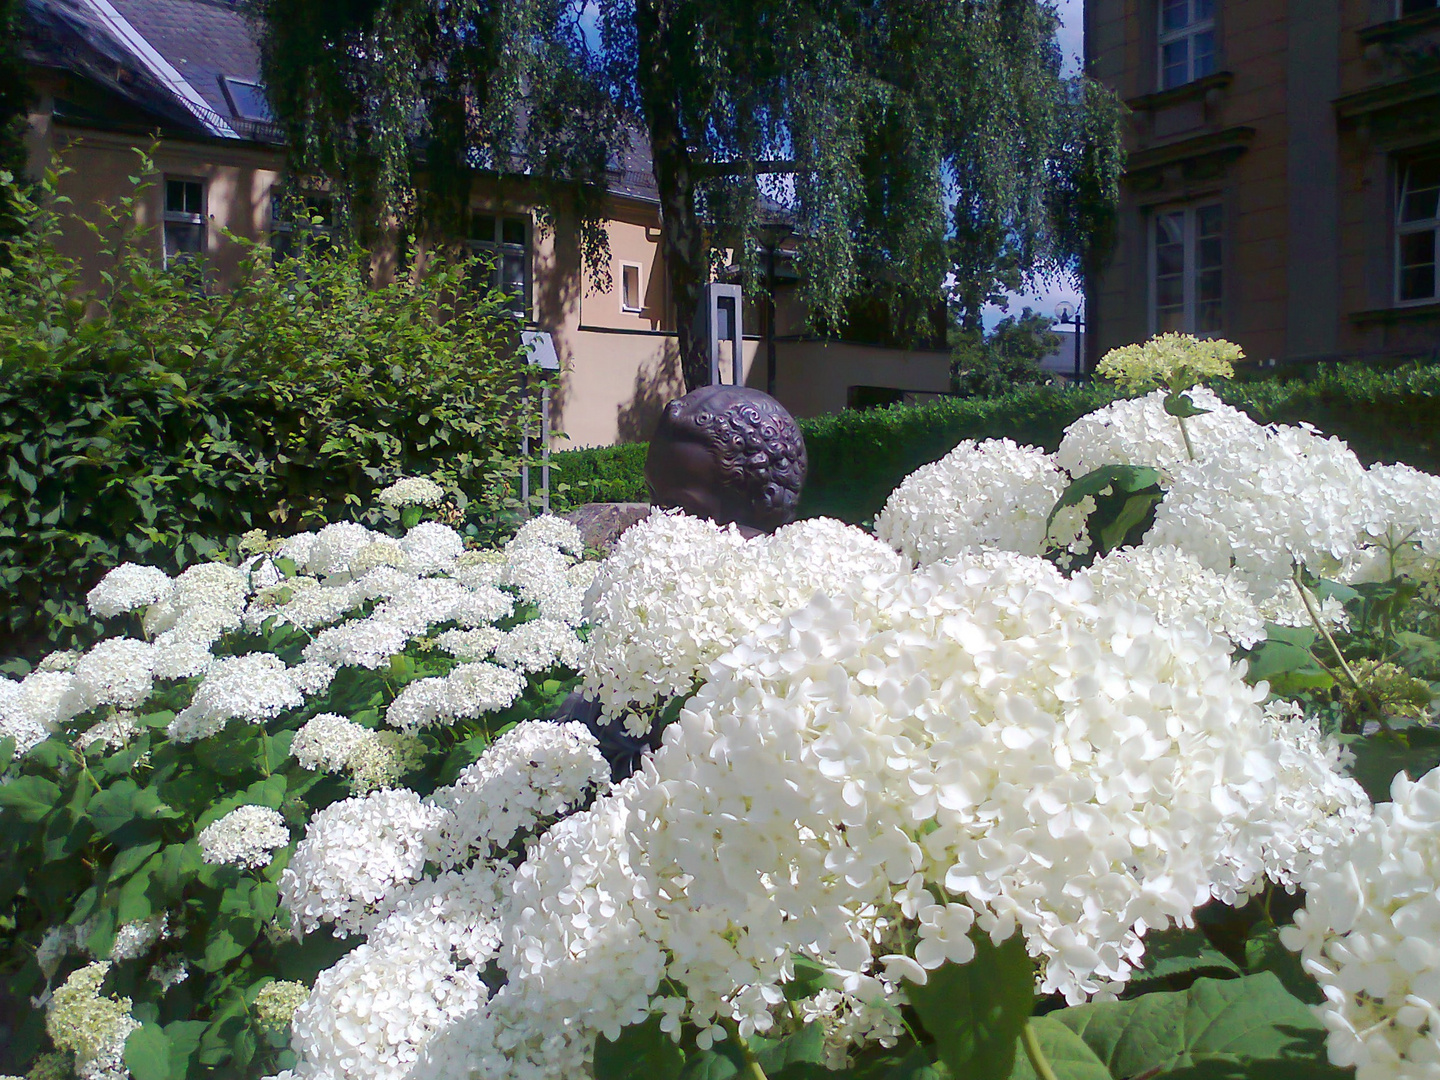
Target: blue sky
(1045,299)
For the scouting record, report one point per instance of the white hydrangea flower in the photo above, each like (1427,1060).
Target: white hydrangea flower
(533,773)
(356,854)
(677,592)
(328,742)
(469,690)
(116,671)
(1402,526)
(432,548)
(204,585)
(254,687)
(310,604)
(980,495)
(33,707)
(550,531)
(1368,934)
(93,1027)
(470,644)
(535,571)
(169,972)
(115,732)
(247,836)
(125,588)
(476,568)
(135,939)
(412,491)
(538,645)
(370,1016)
(333,548)
(380,553)
(276,1002)
(1174,585)
(1138,431)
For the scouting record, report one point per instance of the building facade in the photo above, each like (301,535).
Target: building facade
(1283,175)
(112,76)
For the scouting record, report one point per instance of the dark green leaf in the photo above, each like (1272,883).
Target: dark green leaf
(976,1011)
(1263,952)
(642,1052)
(29,798)
(1121,478)
(1380,758)
(1180,406)
(1180,953)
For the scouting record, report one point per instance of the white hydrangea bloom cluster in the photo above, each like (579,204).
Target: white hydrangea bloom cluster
(1138,431)
(530,776)
(254,687)
(356,854)
(1368,934)
(677,592)
(474,644)
(469,690)
(247,836)
(116,671)
(328,742)
(93,1027)
(1403,523)
(135,939)
(125,588)
(547,530)
(538,645)
(980,495)
(32,707)
(276,1002)
(1173,584)
(412,491)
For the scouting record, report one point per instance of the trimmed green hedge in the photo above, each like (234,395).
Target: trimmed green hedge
(857,458)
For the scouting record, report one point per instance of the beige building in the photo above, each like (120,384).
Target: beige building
(108,74)
(1283,175)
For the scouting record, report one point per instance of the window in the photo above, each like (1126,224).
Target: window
(1187,41)
(630,299)
(505,238)
(1417,231)
(299,221)
(247,99)
(1186,270)
(1415,7)
(184,220)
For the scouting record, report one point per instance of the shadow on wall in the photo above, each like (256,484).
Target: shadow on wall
(656,385)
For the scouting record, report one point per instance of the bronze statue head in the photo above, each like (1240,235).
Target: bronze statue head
(730,454)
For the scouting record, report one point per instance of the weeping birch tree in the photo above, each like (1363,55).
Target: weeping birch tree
(915,147)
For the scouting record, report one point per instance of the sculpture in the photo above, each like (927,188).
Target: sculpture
(730,454)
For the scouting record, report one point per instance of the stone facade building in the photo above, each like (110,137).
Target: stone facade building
(1283,182)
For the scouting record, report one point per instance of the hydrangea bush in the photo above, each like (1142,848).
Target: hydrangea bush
(1069,771)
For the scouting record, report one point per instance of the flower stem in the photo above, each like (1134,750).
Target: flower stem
(1185,434)
(1038,1061)
(753,1070)
(1360,689)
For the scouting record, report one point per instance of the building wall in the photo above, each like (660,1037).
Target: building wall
(1307,191)
(618,368)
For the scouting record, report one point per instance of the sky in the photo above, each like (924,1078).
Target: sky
(1045,299)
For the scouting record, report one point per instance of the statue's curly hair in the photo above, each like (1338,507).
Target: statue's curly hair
(757,443)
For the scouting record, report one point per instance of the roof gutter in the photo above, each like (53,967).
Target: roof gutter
(160,68)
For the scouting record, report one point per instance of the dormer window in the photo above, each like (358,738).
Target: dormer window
(1187,41)
(247,99)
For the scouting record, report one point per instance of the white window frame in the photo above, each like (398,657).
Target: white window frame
(639,299)
(170,217)
(1192,29)
(498,248)
(1190,266)
(1412,228)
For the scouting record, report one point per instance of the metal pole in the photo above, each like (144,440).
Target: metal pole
(545,445)
(525,452)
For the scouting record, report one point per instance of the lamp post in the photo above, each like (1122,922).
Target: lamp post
(1065,314)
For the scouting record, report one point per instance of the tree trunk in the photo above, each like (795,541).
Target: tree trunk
(682,233)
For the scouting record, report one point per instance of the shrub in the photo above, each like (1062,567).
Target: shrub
(857,458)
(154,419)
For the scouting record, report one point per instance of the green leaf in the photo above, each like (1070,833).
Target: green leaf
(147,1053)
(1249,1023)
(810,979)
(1180,406)
(1180,953)
(30,798)
(975,1011)
(1126,479)
(1263,952)
(804,1047)
(1065,1052)
(1380,758)
(642,1052)
(1131,513)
